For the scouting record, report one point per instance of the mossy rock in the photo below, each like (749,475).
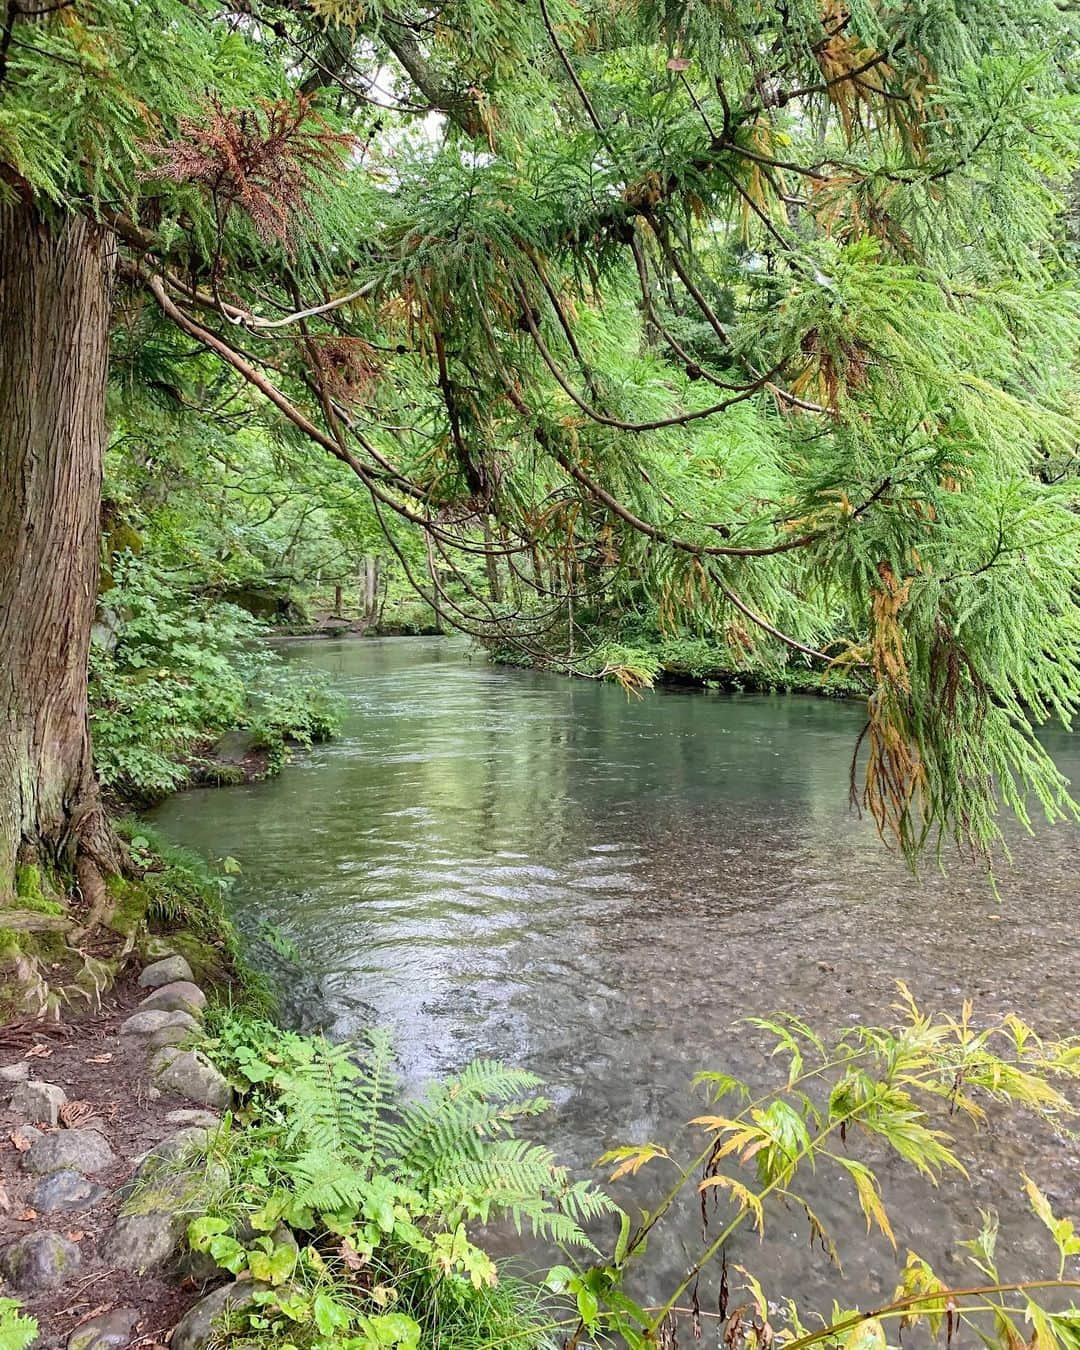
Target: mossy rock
(209,964)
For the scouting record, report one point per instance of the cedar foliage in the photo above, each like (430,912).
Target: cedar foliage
(767,310)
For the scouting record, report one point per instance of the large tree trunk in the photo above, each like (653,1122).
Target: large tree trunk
(55,294)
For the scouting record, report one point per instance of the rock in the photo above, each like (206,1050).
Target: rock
(65,1189)
(84,1151)
(144,1023)
(140,1241)
(172,1034)
(180,996)
(110,1331)
(209,1120)
(38,1101)
(157,1019)
(15,1073)
(172,1148)
(166,971)
(191,1074)
(39,1261)
(27,1134)
(197,1327)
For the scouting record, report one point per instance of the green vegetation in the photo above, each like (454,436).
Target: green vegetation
(17,1332)
(172,673)
(380,1191)
(759,320)
(894,1086)
(356,1209)
(708,337)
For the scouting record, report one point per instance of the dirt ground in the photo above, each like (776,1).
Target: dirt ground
(106,1075)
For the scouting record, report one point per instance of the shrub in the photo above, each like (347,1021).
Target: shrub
(170,673)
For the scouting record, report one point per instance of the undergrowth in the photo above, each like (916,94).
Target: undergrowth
(355,1212)
(182,895)
(171,673)
(358,1207)
(631,645)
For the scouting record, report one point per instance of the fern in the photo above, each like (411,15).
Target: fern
(333,1147)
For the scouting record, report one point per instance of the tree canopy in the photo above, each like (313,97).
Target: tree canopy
(769,309)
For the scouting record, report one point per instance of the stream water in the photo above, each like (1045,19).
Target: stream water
(507,863)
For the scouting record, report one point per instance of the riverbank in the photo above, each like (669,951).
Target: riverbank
(104,1120)
(108,1102)
(180,1168)
(704,668)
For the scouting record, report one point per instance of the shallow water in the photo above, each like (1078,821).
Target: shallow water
(507,863)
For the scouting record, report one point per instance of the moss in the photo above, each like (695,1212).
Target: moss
(9,944)
(131,901)
(49,946)
(31,892)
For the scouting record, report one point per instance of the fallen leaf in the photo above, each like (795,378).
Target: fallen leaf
(98,1059)
(75,1234)
(19,1140)
(38,1051)
(27,1216)
(351,1256)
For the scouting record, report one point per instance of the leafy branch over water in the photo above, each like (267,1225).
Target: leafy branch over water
(873,1084)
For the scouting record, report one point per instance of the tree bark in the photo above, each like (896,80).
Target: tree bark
(55,299)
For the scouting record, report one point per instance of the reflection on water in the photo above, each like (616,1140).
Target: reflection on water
(511,864)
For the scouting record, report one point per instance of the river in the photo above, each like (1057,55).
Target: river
(507,863)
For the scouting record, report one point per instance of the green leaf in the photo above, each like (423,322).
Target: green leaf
(868,1335)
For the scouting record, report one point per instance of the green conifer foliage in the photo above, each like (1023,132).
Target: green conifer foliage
(767,310)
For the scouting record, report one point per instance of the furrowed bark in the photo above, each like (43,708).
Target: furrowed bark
(55,299)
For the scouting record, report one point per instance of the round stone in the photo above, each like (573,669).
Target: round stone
(140,1241)
(198,1328)
(84,1151)
(209,1120)
(110,1331)
(179,996)
(166,971)
(39,1261)
(65,1189)
(191,1074)
(38,1102)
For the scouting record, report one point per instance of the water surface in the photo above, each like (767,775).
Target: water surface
(508,863)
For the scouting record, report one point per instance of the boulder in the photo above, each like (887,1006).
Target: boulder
(39,1261)
(39,1102)
(140,1241)
(84,1151)
(156,1020)
(180,996)
(196,1330)
(15,1073)
(172,1149)
(208,1120)
(168,970)
(65,1189)
(191,1074)
(109,1331)
(172,1034)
